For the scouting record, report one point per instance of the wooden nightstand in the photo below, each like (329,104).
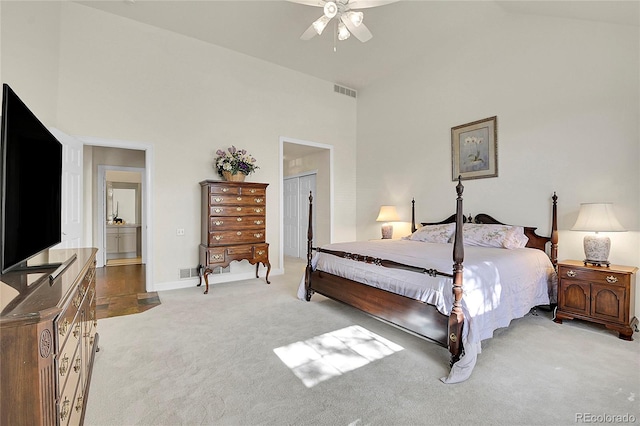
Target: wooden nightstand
(605,295)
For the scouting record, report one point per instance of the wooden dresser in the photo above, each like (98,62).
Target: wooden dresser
(48,341)
(233,226)
(600,294)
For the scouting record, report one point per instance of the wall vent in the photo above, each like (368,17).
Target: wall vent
(185,273)
(193,272)
(344,90)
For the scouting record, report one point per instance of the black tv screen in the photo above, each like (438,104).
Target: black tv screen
(31,178)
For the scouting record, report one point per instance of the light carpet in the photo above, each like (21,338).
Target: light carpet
(209,360)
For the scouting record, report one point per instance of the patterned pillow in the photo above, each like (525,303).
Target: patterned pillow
(434,233)
(503,236)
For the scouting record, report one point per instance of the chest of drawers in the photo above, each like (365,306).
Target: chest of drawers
(233,226)
(48,342)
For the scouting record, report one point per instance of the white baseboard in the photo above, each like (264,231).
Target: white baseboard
(213,279)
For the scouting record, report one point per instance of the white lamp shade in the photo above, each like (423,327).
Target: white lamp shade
(598,217)
(388,214)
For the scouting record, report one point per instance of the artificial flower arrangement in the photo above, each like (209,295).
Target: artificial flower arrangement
(234,161)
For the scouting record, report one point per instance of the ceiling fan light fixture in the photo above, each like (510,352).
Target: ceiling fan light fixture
(343,32)
(330,9)
(355,17)
(320,24)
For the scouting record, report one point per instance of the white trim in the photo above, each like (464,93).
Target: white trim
(147,201)
(284,139)
(102,218)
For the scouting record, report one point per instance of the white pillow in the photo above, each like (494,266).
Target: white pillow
(503,236)
(434,233)
(515,238)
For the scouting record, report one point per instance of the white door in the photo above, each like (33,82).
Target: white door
(290,219)
(71,190)
(296,213)
(307,185)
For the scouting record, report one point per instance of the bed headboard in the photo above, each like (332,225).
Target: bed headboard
(535,241)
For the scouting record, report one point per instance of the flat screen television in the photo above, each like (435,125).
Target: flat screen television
(31,185)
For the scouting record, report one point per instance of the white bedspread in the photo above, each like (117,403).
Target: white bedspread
(499,285)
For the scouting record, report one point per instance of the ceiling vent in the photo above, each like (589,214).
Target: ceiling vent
(344,90)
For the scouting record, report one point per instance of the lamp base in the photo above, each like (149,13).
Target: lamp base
(597,262)
(387,232)
(596,250)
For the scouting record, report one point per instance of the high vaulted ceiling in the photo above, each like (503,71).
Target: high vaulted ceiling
(402,31)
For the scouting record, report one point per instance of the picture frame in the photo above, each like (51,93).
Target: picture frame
(474,149)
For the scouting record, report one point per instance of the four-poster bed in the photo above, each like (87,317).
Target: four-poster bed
(345,272)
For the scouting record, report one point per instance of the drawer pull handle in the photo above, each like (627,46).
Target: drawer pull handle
(253,191)
(217,210)
(64,365)
(258,210)
(218,222)
(260,252)
(239,198)
(571,274)
(76,366)
(258,222)
(79,403)
(62,329)
(225,189)
(238,209)
(259,200)
(258,235)
(64,410)
(218,237)
(239,219)
(238,233)
(218,199)
(611,279)
(217,257)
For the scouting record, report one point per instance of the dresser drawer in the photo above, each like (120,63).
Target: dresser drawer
(221,210)
(240,200)
(256,235)
(215,255)
(593,276)
(239,222)
(225,189)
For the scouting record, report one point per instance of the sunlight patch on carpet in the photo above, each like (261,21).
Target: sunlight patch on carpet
(332,354)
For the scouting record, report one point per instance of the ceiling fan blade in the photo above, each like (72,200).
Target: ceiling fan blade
(318,3)
(363,4)
(361,32)
(309,33)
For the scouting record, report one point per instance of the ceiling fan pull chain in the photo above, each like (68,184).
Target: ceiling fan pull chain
(335,36)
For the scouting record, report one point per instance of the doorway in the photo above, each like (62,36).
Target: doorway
(305,166)
(117,154)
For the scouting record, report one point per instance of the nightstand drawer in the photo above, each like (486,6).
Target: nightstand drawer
(601,277)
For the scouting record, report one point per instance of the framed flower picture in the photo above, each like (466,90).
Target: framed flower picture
(474,149)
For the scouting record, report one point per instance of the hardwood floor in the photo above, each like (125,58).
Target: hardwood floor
(120,290)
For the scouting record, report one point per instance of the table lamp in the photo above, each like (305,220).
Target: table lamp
(597,217)
(387,214)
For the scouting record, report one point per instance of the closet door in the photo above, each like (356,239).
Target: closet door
(290,219)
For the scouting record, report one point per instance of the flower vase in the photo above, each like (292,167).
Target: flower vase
(229,177)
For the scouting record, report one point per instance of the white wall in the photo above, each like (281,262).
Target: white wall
(566,94)
(122,80)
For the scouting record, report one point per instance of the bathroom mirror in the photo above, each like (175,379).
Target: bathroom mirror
(123,202)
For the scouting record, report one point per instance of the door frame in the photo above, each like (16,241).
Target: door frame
(147,196)
(102,216)
(284,139)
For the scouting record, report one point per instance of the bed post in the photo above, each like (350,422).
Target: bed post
(456,318)
(554,232)
(309,269)
(413,215)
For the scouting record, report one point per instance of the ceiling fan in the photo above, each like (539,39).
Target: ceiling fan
(348,19)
